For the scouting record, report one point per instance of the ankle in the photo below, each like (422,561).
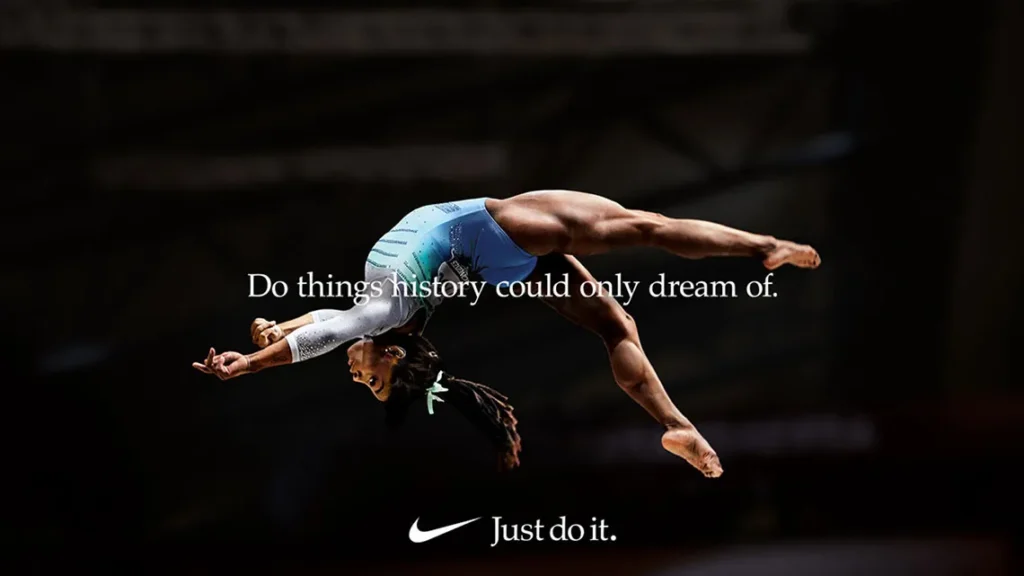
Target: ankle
(678,426)
(764,246)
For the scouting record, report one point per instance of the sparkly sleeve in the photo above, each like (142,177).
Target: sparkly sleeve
(325,314)
(321,337)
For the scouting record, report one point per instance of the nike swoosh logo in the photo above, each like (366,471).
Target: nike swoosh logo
(419,536)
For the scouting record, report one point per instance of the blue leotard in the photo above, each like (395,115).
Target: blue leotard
(450,242)
(459,238)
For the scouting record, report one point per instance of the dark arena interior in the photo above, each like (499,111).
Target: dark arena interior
(157,154)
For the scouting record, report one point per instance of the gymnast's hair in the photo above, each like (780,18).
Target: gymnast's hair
(484,407)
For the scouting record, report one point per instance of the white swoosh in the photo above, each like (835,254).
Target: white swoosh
(418,536)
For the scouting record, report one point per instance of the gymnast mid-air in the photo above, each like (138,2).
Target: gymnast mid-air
(518,239)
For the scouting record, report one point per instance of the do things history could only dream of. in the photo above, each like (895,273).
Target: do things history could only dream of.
(548,286)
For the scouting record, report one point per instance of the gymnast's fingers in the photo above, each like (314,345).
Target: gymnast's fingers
(259,325)
(269,336)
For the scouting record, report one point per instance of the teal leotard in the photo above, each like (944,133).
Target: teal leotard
(450,242)
(454,240)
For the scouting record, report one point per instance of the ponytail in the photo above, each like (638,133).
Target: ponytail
(484,407)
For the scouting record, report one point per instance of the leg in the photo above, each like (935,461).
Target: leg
(566,222)
(630,367)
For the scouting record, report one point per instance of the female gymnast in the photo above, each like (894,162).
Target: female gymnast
(522,238)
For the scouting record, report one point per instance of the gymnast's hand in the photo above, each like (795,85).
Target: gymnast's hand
(223,366)
(265,332)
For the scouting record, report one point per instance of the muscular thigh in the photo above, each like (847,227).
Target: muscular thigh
(600,313)
(567,222)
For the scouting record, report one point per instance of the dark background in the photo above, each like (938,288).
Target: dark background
(866,417)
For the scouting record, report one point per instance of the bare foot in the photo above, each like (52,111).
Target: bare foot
(786,252)
(688,444)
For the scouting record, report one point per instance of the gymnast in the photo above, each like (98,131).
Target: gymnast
(518,239)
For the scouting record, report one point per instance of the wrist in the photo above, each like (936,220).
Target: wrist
(277,354)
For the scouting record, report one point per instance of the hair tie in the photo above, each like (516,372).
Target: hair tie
(433,391)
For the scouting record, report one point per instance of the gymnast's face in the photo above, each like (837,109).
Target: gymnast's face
(371,365)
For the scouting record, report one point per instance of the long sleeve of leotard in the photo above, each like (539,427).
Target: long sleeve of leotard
(332,328)
(325,314)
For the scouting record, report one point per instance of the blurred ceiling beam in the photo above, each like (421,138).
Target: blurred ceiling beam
(819,151)
(383,164)
(760,28)
(654,123)
(353,107)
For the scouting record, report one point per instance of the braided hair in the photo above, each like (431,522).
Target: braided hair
(484,407)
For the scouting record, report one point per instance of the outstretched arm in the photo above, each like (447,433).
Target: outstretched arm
(310,340)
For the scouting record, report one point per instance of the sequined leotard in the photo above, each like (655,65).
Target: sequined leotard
(450,242)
